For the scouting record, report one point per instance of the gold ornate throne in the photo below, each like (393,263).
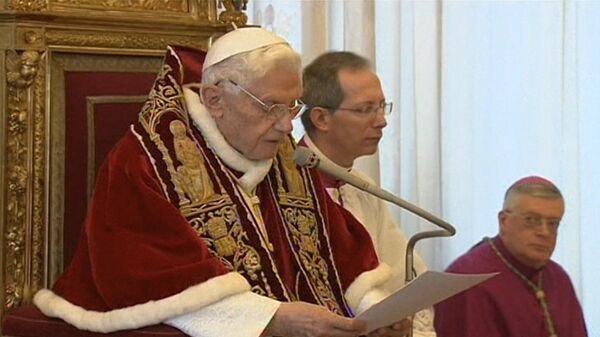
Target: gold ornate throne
(74,75)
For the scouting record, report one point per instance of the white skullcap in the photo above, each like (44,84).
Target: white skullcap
(239,41)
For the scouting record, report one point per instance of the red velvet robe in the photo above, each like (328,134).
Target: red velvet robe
(505,306)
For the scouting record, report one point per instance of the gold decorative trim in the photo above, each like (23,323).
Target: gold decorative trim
(24,140)
(121,40)
(3,190)
(191,174)
(32,37)
(28,5)
(38,235)
(233,12)
(298,210)
(146,5)
(195,8)
(91,102)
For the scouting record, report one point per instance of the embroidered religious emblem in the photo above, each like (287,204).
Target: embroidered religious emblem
(191,174)
(306,231)
(223,233)
(294,182)
(223,242)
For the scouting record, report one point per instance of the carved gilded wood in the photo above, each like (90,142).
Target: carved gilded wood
(24,183)
(201,10)
(39,41)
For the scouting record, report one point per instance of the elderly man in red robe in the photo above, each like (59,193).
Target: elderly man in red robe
(200,219)
(532,296)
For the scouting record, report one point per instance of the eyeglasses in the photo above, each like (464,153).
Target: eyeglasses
(535,221)
(368,110)
(274,111)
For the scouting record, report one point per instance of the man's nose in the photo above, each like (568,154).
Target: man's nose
(380,119)
(284,124)
(546,228)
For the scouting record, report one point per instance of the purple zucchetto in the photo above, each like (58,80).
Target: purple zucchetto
(532,180)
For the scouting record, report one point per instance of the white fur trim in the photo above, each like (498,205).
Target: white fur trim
(140,315)
(365,283)
(254,170)
(372,297)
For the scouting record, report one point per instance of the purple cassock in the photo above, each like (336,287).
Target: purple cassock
(506,305)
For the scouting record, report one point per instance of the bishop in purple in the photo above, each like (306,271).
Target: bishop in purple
(532,296)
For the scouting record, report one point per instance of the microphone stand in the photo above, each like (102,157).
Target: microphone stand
(448,229)
(305,157)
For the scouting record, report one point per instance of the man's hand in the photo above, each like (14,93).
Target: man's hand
(301,319)
(398,329)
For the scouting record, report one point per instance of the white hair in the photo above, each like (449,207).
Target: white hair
(539,190)
(246,67)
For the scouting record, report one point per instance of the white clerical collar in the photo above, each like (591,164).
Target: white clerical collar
(313,147)
(254,171)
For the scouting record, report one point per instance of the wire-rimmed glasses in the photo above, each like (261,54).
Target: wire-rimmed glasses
(535,221)
(274,111)
(369,109)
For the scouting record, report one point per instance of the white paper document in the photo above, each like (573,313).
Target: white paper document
(423,292)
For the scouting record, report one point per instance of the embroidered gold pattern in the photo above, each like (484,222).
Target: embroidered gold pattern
(191,174)
(306,230)
(304,233)
(223,242)
(298,210)
(164,98)
(294,181)
(222,232)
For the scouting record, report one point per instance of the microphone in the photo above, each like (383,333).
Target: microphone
(306,158)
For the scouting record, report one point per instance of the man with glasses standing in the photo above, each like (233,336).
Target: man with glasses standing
(532,295)
(345,120)
(198,220)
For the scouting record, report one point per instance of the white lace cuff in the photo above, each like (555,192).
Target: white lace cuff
(423,323)
(241,315)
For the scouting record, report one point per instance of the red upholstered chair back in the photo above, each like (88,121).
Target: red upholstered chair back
(100,107)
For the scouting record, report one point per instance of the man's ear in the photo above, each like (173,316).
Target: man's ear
(212,98)
(321,118)
(502,219)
